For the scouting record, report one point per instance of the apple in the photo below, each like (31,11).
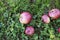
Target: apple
(45,18)
(59,30)
(29,30)
(25,17)
(54,13)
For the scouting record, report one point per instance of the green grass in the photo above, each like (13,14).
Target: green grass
(12,29)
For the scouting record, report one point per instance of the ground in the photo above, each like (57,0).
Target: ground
(12,29)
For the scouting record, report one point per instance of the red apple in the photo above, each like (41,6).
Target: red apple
(54,13)
(59,30)
(25,18)
(29,30)
(45,19)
